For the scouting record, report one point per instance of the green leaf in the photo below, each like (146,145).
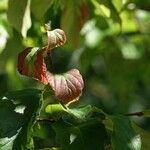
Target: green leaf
(123,136)
(55,110)
(39,7)
(146,113)
(89,135)
(44,135)
(71,21)
(81,112)
(18,111)
(114,14)
(19,15)
(31,57)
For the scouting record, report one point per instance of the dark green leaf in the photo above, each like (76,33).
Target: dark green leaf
(123,136)
(44,135)
(19,15)
(18,111)
(90,135)
(146,113)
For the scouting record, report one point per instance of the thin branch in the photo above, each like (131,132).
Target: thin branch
(139,114)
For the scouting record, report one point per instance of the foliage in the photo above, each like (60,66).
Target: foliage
(84,85)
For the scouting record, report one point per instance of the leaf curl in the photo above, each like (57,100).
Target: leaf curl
(56,38)
(34,66)
(68,86)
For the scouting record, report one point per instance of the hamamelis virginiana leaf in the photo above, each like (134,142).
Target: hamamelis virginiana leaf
(31,63)
(68,86)
(56,38)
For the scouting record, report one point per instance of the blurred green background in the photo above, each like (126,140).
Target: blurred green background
(108,41)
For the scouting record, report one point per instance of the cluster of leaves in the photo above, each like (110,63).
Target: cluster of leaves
(64,128)
(93,28)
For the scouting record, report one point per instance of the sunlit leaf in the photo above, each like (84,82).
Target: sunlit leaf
(114,14)
(19,15)
(55,111)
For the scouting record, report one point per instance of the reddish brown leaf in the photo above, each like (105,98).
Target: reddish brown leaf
(67,87)
(22,68)
(56,38)
(40,67)
(37,70)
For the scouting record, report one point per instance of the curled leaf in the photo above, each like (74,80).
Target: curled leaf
(56,38)
(67,87)
(31,63)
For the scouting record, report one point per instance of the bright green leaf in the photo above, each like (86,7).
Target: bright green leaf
(19,15)
(55,110)
(114,14)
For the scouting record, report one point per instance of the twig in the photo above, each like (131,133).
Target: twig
(139,114)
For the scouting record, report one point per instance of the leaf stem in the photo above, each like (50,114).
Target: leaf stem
(64,106)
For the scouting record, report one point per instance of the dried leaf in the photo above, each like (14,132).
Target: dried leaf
(67,87)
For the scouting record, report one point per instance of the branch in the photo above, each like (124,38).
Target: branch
(139,114)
